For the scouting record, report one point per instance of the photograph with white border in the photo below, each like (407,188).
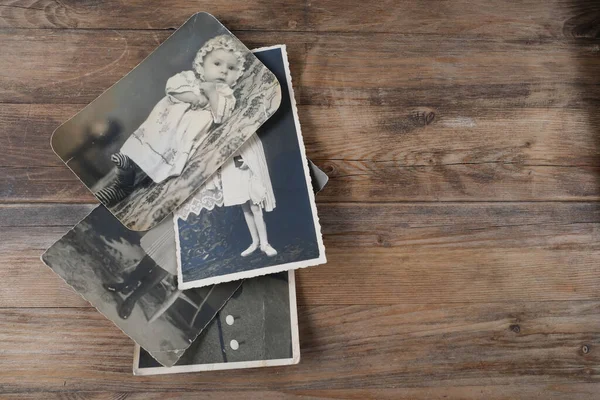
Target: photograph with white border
(258,327)
(257,215)
(109,266)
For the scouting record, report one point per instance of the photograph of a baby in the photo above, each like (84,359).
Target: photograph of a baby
(257,214)
(181,121)
(149,142)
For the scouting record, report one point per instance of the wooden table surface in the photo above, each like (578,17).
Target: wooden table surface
(462,218)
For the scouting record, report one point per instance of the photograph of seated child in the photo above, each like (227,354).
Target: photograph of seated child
(181,121)
(146,275)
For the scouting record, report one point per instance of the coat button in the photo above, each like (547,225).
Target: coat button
(234,344)
(229,319)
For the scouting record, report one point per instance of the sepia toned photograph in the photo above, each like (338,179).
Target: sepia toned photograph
(257,214)
(258,327)
(151,140)
(107,265)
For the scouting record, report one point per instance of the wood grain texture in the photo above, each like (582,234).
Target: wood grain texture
(419,136)
(364,181)
(461,220)
(389,253)
(583,391)
(70,350)
(374,153)
(478,18)
(75,66)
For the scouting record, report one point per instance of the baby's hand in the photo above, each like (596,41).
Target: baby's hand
(208,87)
(200,101)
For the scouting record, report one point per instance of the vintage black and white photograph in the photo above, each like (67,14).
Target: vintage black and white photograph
(258,327)
(107,265)
(257,214)
(151,140)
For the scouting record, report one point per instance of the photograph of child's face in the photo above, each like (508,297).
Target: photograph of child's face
(170,123)
(221,66)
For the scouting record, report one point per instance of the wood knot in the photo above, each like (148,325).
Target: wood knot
(584,25)
(383,241)
(329,169)
(585,349)
(515,328)
(423,117)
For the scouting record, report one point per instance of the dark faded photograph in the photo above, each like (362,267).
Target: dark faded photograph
(257,214)
(147,143)
(107,265)
(258,327)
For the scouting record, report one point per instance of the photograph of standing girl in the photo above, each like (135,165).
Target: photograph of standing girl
(257,215)
(246,182)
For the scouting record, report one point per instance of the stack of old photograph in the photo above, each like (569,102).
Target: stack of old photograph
(207,205)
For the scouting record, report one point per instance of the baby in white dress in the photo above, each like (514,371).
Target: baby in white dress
(182,120)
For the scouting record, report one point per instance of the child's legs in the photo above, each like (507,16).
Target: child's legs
(259,222)
(249,216)
(124,181)
(125,169)
(133,279)
(154,276)
(141,270)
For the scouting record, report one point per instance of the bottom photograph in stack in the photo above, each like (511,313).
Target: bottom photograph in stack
(258,327)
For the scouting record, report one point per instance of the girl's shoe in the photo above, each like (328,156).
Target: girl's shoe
(250,250)
(268,250)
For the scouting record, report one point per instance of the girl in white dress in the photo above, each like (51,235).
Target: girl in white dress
(246,182)
(181,121)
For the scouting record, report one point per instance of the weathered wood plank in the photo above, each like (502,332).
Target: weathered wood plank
(43,215)
(412,137)
(390,253)
(581,391)
(46,184)
(362,275)
(372,153)
(452,135)
(75,66)
(466,225)
(345,347)
(418,154)
(365,181)
(259,15)
(496,181)
(509,19)
(25,132)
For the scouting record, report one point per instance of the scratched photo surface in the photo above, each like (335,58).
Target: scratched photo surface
(257,327)
(151,140)
(107,265)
